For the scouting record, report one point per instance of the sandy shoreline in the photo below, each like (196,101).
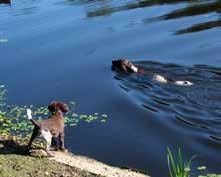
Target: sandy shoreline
(93,166)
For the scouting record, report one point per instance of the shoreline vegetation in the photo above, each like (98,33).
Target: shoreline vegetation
(15,160)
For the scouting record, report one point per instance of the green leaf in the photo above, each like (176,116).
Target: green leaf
(201,168)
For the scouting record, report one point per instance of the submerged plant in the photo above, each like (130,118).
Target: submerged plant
(177,166)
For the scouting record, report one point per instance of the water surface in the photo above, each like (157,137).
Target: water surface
(63,49)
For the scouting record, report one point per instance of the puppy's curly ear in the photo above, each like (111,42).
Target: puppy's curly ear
(52,107)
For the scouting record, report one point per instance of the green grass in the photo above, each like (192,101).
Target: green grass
(14,162)
(12,165)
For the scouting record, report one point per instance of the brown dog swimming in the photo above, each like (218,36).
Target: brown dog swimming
(51,127)
(5,1)
(128,67)
(125,66)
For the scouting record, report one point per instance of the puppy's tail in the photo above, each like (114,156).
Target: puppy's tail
(32,120)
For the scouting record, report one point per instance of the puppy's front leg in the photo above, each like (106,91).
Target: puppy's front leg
(54,144)
(61,139)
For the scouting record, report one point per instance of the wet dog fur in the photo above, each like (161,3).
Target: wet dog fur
(126,66)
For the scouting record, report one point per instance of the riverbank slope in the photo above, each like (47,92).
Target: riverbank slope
(14,161)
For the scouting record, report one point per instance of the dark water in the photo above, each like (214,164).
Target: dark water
(63,50)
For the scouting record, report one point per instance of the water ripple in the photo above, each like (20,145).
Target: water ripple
(197,106)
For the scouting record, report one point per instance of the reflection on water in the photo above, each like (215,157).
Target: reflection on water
(200,27)
(198,106)
(194,10)
(109,7)
(95,8)
(190,8)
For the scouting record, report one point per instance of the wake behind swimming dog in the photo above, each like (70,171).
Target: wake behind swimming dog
(126,66)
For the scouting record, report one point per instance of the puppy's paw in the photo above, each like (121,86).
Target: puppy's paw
(53,148)
(49,154)
(63,149)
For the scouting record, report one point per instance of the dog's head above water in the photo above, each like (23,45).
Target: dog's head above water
(58,106)
(124,65)
(5,1)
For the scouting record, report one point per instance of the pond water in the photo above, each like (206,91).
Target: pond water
(62,50)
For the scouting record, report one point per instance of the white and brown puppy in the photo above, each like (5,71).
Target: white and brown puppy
(128,67)
(51,127)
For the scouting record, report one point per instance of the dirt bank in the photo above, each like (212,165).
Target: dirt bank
(15,161)
(93,166)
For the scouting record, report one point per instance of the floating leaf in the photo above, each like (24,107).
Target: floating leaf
(202,168)
(14,121)
(3,40)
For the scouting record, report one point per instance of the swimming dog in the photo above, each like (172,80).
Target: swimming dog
(53,127)
(5,1)
(128,67)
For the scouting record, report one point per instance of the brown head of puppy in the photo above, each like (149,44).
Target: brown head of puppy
(58,106)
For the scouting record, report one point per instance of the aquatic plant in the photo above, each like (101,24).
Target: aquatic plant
(13,119)
(181,168)
(3,40)
(203,168)
(178,168)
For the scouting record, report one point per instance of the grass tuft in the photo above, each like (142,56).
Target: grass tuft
(178,167)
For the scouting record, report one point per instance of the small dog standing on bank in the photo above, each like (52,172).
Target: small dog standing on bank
(53,127)
(128,67)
